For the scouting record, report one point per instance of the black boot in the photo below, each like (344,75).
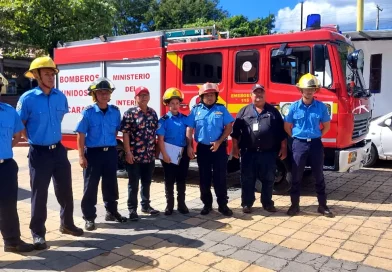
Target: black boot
(169,206)
(293,210)
(225,210)
(18,247)
(182,208)
(206,210)
(324,210)
(115,217)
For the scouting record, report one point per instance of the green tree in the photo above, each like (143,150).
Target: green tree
(169,14)
(132,16)
(239,25)
(42,23)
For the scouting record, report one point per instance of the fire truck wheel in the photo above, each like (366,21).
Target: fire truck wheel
(373,157)
(121,171)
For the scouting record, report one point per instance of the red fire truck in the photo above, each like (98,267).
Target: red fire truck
(187,58)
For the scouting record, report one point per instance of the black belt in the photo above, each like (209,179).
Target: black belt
(47,147)
(100,148)
(307,140)
(4,160)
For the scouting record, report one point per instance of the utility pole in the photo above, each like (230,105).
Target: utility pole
(378,16)
(302,13)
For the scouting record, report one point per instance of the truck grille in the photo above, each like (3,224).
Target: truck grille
(361,124)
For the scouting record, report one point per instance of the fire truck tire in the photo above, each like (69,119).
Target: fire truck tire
(121,171)
(373,157)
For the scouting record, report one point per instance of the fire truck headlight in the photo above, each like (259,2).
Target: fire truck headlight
(352,157)
(284,110)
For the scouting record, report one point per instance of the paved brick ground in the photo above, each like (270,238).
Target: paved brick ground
(359,238)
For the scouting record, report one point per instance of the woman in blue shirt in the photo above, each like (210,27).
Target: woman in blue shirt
(172,141)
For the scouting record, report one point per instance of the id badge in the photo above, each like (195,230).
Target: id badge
(255,127)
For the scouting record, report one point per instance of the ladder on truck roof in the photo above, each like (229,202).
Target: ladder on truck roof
(169,36)
(193,34)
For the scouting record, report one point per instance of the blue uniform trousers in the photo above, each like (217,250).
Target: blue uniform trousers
(176,174)
(136,172)
(257,165)
(101,163)
(304,151)
(45,163)
(212,168)
(9,220)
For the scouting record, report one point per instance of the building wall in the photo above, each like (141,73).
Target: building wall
(382,102)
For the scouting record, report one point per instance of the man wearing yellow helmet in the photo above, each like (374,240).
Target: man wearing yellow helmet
(97,130)
(172,130)
(42,110)
(302,123)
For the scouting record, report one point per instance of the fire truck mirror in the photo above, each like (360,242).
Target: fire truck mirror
(319,51)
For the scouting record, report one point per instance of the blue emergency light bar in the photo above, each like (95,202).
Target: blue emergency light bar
(313,21)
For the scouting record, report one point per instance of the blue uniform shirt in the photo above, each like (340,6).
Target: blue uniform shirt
(209,123)
(306,119)
(100,129)
(43,114)
(173,128)
(10,124)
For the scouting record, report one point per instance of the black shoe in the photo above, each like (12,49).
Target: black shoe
(115,217)
(39,243)
(150,210)
(206,210)
(168,211)
(133,216)
(90,225)
(182,208)
(73,230)
(270,208)
(293,210)
(225,210)
(324,210)
(19,247)
(247,209)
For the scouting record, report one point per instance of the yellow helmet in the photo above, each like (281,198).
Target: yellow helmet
(308,81)
(172,93)
(41,62)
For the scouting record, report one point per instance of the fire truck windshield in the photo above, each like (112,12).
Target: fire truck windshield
(354,79)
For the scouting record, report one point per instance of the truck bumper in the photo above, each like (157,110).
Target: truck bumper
(353,158)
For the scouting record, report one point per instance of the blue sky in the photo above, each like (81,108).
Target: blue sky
(287,12)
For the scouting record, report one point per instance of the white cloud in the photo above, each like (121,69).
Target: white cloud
(341,12)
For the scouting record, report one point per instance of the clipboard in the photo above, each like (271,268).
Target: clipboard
(174,152)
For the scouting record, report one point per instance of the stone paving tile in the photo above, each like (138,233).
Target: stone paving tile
(259,247)
(271,262)
(63,263)
(222,250)
(246,256)
(284,253)
(314,260)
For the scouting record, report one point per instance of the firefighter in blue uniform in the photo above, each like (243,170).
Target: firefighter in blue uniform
(302,123)
(212,124)
(97,131)
(42,110)
(10,131)
(172,130)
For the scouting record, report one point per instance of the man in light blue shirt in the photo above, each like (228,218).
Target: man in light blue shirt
(42,109)
(212,124)
(302,123)
(97,131)
(10,133)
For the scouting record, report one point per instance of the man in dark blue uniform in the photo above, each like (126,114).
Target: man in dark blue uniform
(212,124)
(97,132)
(10,132)
(258,132)
(172,130)
(42,109)
(302,123)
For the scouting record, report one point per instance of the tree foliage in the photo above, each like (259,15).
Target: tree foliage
(40,24)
